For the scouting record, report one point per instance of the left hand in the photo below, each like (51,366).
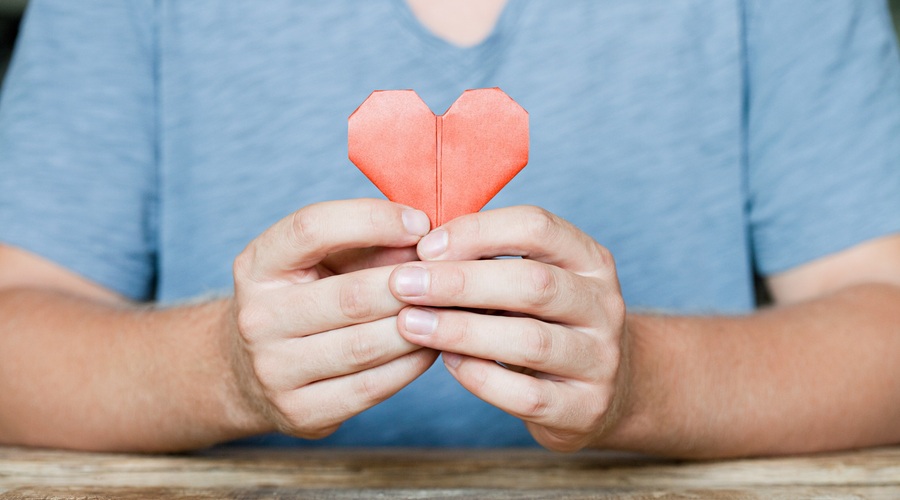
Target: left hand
(564,320)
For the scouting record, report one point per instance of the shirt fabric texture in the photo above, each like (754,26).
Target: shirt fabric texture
(144,143)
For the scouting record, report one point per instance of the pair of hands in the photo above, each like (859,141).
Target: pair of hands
(333,314)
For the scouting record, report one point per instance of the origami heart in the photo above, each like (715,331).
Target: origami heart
(446,165)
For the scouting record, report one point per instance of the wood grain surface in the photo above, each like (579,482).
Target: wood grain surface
(398,473)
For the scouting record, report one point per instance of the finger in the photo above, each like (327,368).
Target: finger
(545,347)
(320,407)
(517,285)
(296,362)
(543,402)
(354,259)
(526,231)
(304,238)
(322,305)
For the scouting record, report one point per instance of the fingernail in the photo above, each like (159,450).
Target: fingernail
(412,281)
(451,359)
(434,244)
(416,222)
(421,321)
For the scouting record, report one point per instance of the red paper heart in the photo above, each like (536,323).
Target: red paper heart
(446,165)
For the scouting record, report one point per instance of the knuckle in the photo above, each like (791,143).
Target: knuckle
(469,227)
(615,307)
(314,428)
(612,310)
(613,361)
(369,389)
(320,431)
(538,344)
(461,328)
(243,265)
(251,321)
(361,350)
(610,355)
(270,371)
(381,216)
(298,418)
(309,424)
(287,408)
(603,257)
(540,224)
(450,281)
(265,373)
(590,422)
(562,441)
(536,402)
(595,414)
(355,300)
(542,287)
(477,379)
(302,228)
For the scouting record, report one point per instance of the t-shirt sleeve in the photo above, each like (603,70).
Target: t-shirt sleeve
(823,128)
(77,141)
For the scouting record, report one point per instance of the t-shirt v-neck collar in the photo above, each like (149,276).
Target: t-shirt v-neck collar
(453,60)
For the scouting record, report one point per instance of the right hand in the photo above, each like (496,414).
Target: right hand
(315,326)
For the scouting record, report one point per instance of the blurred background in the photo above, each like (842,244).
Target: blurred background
(11,13)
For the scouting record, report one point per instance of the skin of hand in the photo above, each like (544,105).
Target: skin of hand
(561,330)
(692,387)
(817,371)
(314,323)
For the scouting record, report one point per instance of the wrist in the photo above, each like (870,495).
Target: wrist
(247,410)
(627,419)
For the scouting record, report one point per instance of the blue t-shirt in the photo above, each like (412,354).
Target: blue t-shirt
(144,143)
